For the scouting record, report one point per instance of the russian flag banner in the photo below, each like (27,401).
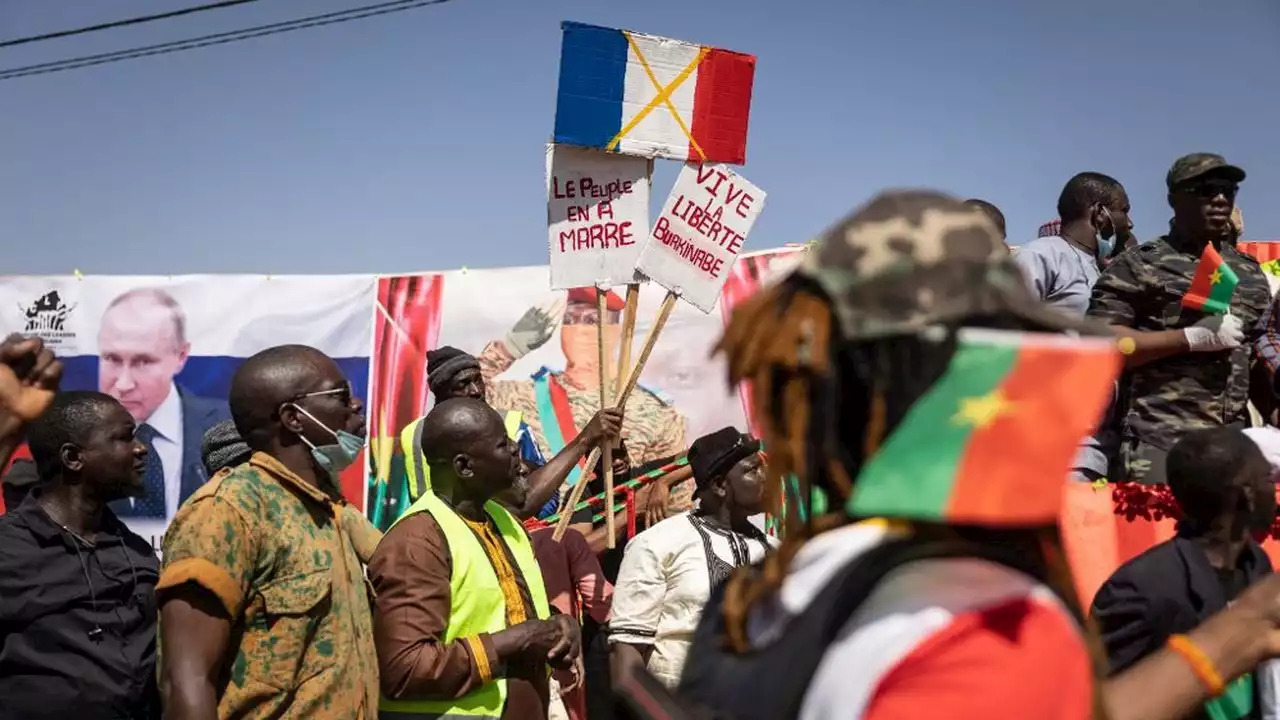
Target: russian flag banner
(650,96)
(167,347)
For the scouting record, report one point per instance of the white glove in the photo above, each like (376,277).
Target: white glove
(535,328)
(1214,333)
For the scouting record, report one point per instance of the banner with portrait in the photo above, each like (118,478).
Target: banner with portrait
(166,348)
(538,355)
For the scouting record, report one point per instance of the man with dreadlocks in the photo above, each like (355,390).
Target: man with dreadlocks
(916,615)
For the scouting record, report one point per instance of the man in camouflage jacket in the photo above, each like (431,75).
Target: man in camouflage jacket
(1188,369)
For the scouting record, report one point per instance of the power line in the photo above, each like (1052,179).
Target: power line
(124,23)
(331,18)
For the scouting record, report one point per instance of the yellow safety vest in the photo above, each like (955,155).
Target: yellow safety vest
(417,474)
(476,604)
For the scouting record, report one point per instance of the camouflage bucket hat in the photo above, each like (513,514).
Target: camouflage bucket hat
(911,259)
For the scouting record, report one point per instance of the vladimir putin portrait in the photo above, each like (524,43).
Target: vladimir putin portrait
(142,346)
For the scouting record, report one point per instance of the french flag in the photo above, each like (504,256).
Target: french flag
(651,96)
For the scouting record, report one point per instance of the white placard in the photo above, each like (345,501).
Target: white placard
(700,233)
(597,216)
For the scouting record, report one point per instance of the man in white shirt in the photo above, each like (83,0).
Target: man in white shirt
(669,570)
(142,346)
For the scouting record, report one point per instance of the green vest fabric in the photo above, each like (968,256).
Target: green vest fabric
(476,604)
(417,474)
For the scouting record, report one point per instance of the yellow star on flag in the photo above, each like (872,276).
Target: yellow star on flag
(1216,277)
(981,411)
(382,447)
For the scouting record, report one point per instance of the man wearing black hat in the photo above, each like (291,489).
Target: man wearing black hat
(453,373)
(669,570)
(1189,369)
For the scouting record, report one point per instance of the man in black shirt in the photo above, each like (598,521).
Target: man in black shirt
(1221,480)
(77,606)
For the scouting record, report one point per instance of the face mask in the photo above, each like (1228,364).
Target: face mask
(335,457)
(1107,246)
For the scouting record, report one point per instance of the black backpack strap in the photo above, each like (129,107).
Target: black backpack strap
(771,681)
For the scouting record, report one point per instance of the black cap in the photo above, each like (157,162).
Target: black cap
(1190,167)
(443,363)
(713,455)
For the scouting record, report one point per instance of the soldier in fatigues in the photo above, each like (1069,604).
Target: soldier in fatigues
(1188,369)
(557,404)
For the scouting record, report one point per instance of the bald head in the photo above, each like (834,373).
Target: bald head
(465,438)
(269,379)
(454,426)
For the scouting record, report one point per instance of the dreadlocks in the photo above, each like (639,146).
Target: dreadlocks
(825,406)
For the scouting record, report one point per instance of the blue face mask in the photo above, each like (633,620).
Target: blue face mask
(1107,246)
(333,458)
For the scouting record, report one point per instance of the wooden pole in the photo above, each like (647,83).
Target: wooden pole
(628,335)
(633,377)
(606,447)
(650,340)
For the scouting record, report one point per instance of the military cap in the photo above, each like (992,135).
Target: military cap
(911,259)
(1190,167)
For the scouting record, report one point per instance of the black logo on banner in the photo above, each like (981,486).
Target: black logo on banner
(47,317)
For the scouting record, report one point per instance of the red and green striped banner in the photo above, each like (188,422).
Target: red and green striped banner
(1213,285)
(992,441)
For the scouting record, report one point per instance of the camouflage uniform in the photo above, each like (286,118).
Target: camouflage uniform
(654,430)
(1142,289)
(286,563)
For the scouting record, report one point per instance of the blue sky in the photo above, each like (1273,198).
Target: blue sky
(415,141)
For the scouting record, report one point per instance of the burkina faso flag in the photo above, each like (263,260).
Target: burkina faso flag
(992,441)
(1213,285)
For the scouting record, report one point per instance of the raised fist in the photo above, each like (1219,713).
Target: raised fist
(29,377)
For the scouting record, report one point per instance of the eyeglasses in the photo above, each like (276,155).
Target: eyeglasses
(344,394)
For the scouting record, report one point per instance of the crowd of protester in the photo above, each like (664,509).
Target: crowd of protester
(275,598)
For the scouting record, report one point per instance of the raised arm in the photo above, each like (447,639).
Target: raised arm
(546,480)
(29,377)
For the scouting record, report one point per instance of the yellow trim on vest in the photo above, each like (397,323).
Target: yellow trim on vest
(476,602)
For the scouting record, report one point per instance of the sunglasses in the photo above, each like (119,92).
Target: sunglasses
(587,315)
(344,394)
(1210,189)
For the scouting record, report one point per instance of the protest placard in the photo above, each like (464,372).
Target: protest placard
(700,233)
(636,94)
(597,216)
